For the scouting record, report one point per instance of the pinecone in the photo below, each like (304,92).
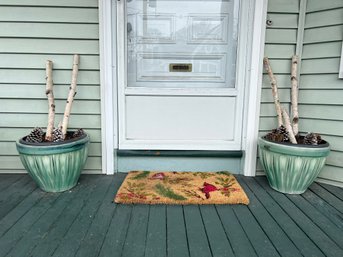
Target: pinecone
(279,134)
(312,139)
(57,135)
(78,133)
(36,136)
(283,131)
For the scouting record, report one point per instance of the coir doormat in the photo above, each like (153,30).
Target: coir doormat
(145,187)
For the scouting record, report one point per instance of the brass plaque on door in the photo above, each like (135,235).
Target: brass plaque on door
(180,67)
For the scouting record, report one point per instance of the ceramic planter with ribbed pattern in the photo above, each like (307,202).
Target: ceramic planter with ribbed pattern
(55,167)
(291,168)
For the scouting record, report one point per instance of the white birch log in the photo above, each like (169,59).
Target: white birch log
(288,126)
(72,93)
(294,82)
(275,93)
(51,101)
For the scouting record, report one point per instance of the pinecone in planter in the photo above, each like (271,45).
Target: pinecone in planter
(279,134)
(57,135)
(36,136)
(78,133)
(312,139)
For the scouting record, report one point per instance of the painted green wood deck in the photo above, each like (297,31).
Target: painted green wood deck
(85,222)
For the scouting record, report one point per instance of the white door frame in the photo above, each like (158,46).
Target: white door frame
(251,41)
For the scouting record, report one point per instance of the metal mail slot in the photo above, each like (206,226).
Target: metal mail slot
(180,67)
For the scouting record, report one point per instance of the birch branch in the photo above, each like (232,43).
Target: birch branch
(275,93)
(288,126)
(294,82)
(50,95)
(72,93)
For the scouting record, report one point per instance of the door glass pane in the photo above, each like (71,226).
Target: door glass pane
(178,43)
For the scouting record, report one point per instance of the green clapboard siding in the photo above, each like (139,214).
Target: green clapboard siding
(281,38)
(321,92)
(31,32)
(321,106)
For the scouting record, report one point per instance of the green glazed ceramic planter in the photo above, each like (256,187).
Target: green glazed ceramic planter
(55,167)
(291,168)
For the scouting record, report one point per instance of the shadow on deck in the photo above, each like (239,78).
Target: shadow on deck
(84,222)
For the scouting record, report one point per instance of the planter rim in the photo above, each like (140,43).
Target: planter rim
(53,147)
(321,150)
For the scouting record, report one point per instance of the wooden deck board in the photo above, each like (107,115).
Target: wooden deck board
(72,239)
(329,228)
(277,236)
(219,243)
(296,234)
(136,235)
(239,241)
(78,206)
(24,224)
(40,231)
(117,231)
(196,233)
(8,179)
(326,245)
(177,244)
(23,207)
(12,196)
(156,241)
(84,222)
(326,209)
(93,241)
(327,197)
(336,191)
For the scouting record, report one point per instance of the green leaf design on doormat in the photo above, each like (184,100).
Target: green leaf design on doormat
(168,192)
(224,173)
(142,175)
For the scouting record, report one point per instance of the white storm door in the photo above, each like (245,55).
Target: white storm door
(176,75)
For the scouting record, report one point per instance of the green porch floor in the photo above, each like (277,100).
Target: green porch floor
(85,222)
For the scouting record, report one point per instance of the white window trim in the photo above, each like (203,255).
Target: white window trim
(340,75)
(254,86)
(108,85)
(108,82)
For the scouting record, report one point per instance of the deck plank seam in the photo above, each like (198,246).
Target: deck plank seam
(316,223)
(185,225)
(166,228)
(257,221)
(319,195)
(333,190)
(78,191)
(36,202)
(328,214)
(285,232)
(23,234)
(108,227)
(106,232)
(300,227)
(245,232)
(11,182)
(127,231)
(227,236)
(207,237)
(85,204)
(146,232)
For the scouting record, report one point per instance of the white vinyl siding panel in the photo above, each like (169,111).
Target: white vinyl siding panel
(31,32)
